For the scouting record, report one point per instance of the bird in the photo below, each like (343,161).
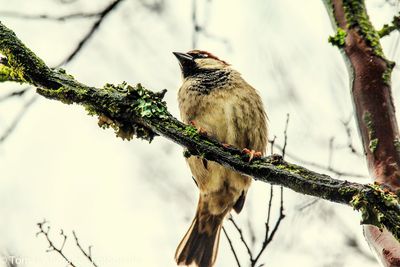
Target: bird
(217,100)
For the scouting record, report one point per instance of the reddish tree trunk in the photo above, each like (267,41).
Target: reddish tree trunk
(374,110)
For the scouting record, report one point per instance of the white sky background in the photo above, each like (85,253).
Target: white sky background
(133,201)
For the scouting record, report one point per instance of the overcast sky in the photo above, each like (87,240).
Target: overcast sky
(133,201)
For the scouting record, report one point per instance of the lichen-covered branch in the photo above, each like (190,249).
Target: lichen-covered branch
(134,110)
(371,92)
(389,28)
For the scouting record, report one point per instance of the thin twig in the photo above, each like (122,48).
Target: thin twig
(241,236)
(231,245)
(308,204)
(52,247)
(88,255)
(17,119)
(71,56)
(17,93)
(157,6)
(196,26)
(62,18)
(102,15)
(272,142)
(202,29)
(268,239)
(278,222)
(251,232)
(271,195)
(346,125)
(330,152)
(352,242)
(320,166)
(285,136)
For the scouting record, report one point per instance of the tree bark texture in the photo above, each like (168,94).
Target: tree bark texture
(370,74)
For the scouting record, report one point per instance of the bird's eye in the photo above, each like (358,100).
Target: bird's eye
(199,55)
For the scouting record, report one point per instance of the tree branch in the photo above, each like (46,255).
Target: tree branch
(231,246)
(17,119)
(389,28)
(137,111)
(52,246)
(101,17)
(62,18)
(88,254)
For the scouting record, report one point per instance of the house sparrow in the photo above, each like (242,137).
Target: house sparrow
(215,98)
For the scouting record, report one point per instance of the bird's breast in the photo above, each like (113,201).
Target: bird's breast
(208,111)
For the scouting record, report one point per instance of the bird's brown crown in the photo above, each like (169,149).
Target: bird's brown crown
(204,54)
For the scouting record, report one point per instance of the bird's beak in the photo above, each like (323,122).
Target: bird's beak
(183,58)
(187,63)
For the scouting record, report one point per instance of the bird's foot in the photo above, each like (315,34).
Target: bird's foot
(252,153)
(200,130)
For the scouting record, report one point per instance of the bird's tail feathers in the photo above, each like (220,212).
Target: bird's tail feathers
(199,246)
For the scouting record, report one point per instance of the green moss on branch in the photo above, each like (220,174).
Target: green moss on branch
(24,63)
(339,39)
(388,28)
(10,74)
(378,207)
(357,17)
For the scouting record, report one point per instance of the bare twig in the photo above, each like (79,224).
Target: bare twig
(17,119)
(66,1)
(308,204)
(157,6)
(202,29)
(17,93)
(88,254)
(271,196)
(52,246)
(63,18)
(352,242)
(329,167)
(278,222)
(285,135)
(320,166)
(102,14)
(49,17)
(101,17)
(232,248)
(196,26)
(350,145)
(268,238)
(241,236)
(330,152)
(272,144)
(251,233)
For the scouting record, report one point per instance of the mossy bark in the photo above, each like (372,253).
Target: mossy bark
(370,74)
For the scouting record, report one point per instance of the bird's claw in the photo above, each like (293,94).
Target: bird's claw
(200,130)
(252,153)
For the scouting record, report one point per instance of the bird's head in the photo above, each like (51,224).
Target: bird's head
(197,61)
